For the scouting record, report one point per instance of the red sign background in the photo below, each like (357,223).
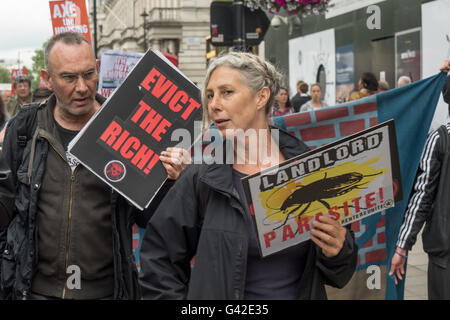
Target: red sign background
(70,15)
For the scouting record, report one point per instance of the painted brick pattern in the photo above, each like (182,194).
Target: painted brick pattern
(374,250)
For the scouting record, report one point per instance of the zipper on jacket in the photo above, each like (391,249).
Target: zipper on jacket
(69,222)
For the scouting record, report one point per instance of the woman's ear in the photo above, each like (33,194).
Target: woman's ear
(263,97)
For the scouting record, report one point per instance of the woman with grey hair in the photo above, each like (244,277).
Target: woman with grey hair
(205,215)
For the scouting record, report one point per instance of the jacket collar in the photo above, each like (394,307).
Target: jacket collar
(220,176)
(46,121)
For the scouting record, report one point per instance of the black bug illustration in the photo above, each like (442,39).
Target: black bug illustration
(326,188)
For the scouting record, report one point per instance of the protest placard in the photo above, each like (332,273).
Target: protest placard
(347,180)
(114,68)
(122,142)
(70,15)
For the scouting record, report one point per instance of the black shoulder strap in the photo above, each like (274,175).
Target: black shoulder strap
(25,123)
(25,126)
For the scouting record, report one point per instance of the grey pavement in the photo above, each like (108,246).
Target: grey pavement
(416,272)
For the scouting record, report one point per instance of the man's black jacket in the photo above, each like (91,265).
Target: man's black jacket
(19,194)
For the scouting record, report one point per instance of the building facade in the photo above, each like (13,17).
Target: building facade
(178,27)
(390,38)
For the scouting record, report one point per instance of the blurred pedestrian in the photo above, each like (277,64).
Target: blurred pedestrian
(316,101)
(3,121)
(282,105)
(403,81)
(383,86)
(368,84)
(301,97)
(356,95)
(446,90)
(22,86)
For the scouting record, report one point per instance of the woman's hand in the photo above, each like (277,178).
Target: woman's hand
(175,160)
(329,235)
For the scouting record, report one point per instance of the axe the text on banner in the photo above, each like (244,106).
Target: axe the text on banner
(70,15)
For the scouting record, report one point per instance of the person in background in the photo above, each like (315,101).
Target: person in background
(206,215)
(6,95)
(403,81)
(383,86)
(446,89)
(301,97)
(41,94)
(22,86)
(368,84)
(315,102)
(356,95)
(282,105)
(3,121)
(429,204)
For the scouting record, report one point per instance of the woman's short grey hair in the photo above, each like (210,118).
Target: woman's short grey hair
(255,72)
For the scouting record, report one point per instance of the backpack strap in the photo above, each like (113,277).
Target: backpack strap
(25,123)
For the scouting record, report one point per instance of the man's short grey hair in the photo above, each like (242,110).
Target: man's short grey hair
(403,80)
(383,85)
(255,72)
(71,38)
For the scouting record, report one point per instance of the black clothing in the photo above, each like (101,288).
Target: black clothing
(438,280)
(446,90)
(430,202)
(202,216)
(73,222)
(277,275)
(65,135)
(298,100)
(28,179)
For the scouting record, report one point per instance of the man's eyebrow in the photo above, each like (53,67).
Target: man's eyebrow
(72,73)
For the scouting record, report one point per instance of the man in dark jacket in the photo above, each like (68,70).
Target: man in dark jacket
(446,89)
(301,97)
(69,235)
(430,203)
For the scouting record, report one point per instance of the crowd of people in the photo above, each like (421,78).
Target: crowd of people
(311,97)
(55,213)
